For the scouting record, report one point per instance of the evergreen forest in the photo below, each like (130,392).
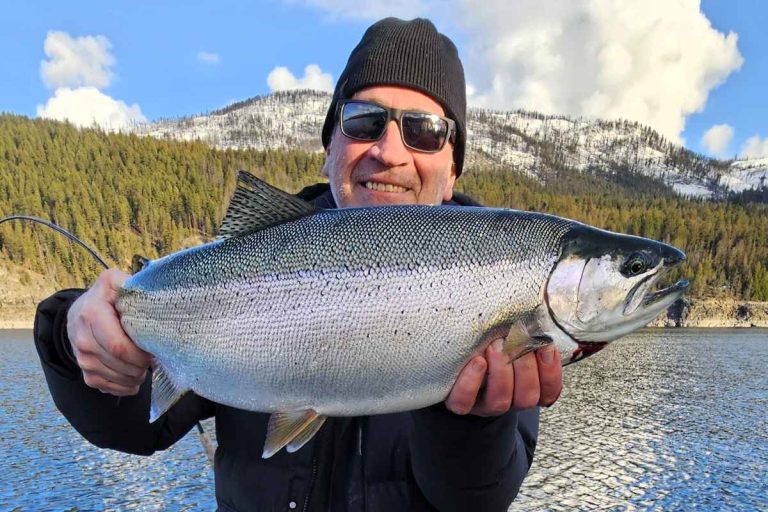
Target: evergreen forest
(127,195)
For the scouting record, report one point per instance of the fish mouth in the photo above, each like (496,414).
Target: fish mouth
(643,302)
(676,290)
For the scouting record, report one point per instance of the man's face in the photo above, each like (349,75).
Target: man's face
(386,171)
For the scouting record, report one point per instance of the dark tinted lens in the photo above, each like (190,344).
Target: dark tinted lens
(426,132)
(363,121)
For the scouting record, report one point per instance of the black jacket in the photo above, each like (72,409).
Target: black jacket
(430,459)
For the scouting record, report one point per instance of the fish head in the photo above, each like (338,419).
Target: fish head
(602,286)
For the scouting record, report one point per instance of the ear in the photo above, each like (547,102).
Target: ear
(325,169)
(448,191)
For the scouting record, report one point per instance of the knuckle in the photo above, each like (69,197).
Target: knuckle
(500,406)
(88,315)
(529,400)
(112,388)
(117,349)
(459,407)
(87,364)
(92,380)
(133,381)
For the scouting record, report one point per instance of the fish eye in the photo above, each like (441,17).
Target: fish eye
(635,265)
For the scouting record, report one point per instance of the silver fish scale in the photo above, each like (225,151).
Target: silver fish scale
(347,312)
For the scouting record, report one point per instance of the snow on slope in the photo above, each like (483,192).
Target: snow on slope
(523,141)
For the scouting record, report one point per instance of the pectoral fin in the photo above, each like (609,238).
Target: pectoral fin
(293,429)
(164,393)
(524,338)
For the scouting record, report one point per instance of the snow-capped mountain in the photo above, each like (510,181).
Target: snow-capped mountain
(526,142)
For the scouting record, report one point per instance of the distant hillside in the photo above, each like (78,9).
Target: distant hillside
(123,194)
(129,195)
(525,142)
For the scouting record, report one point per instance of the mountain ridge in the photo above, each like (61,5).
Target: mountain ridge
(526,142)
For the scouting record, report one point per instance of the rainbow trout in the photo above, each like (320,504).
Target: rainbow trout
(307,313)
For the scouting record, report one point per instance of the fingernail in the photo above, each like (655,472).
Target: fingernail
(498,345)
(547,355)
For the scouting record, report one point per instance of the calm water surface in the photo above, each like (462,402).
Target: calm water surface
(662,420)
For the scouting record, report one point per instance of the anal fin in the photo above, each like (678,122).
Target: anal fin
(292,429)
(306,434)
(164,393)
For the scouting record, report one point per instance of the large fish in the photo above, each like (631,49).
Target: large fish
(309,313)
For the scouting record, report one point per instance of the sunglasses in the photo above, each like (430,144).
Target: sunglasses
(367,121)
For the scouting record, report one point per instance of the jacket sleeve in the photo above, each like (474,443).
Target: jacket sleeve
(120,423)
(470,462)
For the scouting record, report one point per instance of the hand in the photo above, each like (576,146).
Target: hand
(533,379)
(110,361)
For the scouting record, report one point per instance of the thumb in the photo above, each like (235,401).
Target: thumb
(109,283)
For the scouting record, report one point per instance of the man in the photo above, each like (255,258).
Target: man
(394,134)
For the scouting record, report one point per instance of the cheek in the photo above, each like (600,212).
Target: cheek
(335,166)
(435,172)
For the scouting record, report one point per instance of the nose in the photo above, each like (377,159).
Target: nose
(389,149)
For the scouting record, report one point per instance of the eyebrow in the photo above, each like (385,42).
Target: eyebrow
(408,109)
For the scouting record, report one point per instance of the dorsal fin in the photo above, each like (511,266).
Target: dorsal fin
(256,205)
(138,263)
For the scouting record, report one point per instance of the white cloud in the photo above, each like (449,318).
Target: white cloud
(755,147)
(77,68)
(87,106)
(76,62)
(653,61)
(717,139)
(281,79)
(208,58)
(371,10)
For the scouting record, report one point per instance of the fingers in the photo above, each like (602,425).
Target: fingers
(550,375)
(526,375)
(531,380)
(498,394)
(464,393)
(116,346)
(110,361)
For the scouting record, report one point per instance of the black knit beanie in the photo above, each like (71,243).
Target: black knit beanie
(410,54)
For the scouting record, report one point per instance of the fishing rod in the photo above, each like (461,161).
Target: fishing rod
(205,439)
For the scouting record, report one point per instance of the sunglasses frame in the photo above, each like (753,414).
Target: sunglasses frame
(396,114)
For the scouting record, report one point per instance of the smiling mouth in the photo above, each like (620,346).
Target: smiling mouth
(383,187)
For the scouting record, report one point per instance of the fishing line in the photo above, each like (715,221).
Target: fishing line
(59,230)
(204,437)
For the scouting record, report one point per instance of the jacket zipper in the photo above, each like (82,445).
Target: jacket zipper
(311,481)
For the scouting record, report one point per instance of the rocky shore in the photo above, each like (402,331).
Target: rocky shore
(20,293)
(688,312)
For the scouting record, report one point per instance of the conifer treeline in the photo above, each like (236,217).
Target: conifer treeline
(131,195)
(123,194)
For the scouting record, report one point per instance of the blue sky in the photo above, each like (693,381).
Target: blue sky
(685,67)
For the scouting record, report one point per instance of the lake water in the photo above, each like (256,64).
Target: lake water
(662,420)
